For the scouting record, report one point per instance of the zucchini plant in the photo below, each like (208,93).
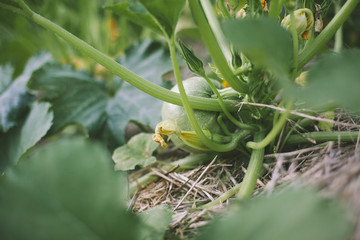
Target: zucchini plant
(259,55)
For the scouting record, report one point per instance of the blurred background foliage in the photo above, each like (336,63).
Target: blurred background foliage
(20,38)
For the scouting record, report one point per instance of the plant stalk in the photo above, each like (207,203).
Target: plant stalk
(253,170)
(323,137)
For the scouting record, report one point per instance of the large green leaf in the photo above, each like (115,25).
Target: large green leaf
(263,40)
(137,152)
(166,12)
(334,79)
(18,140)
(149,60)
(76,97)
(136,13)
(156,220)
(6,73)
(14,98)
(65,190)
(292,215)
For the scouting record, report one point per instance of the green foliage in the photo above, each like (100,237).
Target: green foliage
(137,152)
(75,96)
(334,79)
(19,139)
(14,97)
(292,214)
(263,40)
(156,220)
(65,190)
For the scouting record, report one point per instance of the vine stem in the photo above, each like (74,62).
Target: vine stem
(329,31)
(338,45)
(271,135)
(119,70)
(253,170)
(213,47)
(226,112)
(323,137)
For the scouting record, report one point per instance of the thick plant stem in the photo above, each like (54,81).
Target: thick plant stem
(253,170)
(119,70)
(214,49)
(323,137)
(329,31)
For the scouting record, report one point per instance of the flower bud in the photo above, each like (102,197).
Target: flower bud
(304,20)
(194,64)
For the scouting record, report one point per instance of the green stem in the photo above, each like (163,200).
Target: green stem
(213,47)
(253,170)
(119,70)
(226,112)
(189,162)
(323,137)
(275,8)
(338,45)
(328,32)
(225,196)
(272,134)
(190,113)
(295,41)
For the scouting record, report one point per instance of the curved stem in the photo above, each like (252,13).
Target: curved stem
(223,197)
(253,170)
(323,137)
(226,112)
(272,134)
(132,78)
(327,33)
(213,47)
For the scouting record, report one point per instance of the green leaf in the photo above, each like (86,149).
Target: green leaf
(292,214)
(166,12)
(6,73)
(137,152)
(21,138)
(149,60)
(15,99)
(76,97)
(65,190)
(157,220)
(136,13)
(334,79)
(261,39)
